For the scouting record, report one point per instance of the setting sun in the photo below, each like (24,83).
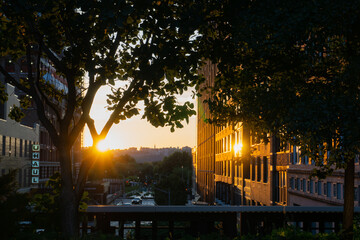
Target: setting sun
(102,146)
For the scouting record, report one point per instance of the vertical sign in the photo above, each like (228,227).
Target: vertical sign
(35,164)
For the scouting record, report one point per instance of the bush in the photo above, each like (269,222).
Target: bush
(292,233)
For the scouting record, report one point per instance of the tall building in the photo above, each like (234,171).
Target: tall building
(234,167)
(205,150)
(21,137)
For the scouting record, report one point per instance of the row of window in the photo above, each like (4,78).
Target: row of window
(23,177)
(223,145)
(328,189)
(298,159)
(259,169)
(16,147)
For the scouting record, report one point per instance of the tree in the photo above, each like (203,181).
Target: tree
(13,206)
(148,46)
(174,173)
(291,68)
(45,205)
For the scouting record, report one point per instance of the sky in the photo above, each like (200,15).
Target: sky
(137,132)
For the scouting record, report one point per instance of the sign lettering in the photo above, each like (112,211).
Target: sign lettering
(36,155)
(34,180)
(35,163)
(35,172)
(36,148)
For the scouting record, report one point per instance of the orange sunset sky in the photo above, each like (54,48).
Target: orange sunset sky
(137,132)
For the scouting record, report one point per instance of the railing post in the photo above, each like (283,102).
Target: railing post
(121,228)
(154,229)
(103,223)
(84,225)
(137,229)
(171,229)
(321,226)
(230,225)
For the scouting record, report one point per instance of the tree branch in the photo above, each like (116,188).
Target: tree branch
(115,45)
(54,59)
(11,80)
(91,126)
(37,83)
(130,92)
(86,164)
(85,106)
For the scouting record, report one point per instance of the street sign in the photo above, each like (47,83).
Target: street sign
(36,147)
(35,163)
(35,172)
(35,180)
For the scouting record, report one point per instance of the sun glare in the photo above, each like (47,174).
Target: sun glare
(237,149)
(102,146)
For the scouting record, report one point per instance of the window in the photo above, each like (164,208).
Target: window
(328,185)
(15,150)
(253,169)
(9,146)
(301,185)
(334,190)
(265,169)
(296,154)
(316,187)
(26,148)
(292,183)
(319,187)
(325,189)
(305,160)
(304,185)
(338,192)
(21,147)
(258,169)
(228,168)
(3,145)
(298,184)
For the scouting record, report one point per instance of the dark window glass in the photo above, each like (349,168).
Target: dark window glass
(265,169)
(3,145)
(258,169)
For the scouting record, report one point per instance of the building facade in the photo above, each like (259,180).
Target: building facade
(205,150)
(248,171)
(16,140)
(21,136)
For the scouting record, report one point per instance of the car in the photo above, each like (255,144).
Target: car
(136,201)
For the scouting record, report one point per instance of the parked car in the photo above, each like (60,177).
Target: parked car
(136,201)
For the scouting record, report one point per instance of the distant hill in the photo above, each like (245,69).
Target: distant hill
(149,154)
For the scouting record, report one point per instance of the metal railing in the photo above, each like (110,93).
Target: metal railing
(234,220)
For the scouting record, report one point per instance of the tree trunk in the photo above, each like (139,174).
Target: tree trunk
(68,199)
(348,214)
